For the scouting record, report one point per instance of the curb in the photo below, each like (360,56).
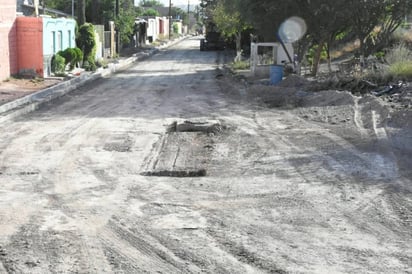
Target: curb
(33,101)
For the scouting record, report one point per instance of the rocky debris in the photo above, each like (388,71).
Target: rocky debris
(352,84)
(210,126)
(294,81)
(184,151)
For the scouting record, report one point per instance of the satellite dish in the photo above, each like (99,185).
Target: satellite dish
(292,29)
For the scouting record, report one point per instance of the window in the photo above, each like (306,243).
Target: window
(59,41)
(53,37)
(69,32)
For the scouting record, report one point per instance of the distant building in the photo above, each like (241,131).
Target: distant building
(157,27)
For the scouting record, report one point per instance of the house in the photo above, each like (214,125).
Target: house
(157,27)
(58,34)
(27,44)
(38,39)
(8,54)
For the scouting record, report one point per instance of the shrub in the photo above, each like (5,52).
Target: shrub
(399,59)
(69,56)
(78,56)
(401,70)
(58,64)
(239,65)
(86,41)
(175,28)
(399,53)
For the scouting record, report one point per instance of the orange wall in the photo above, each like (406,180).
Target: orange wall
(8,57)
(30,45)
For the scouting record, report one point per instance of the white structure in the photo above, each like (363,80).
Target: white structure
(157,27)
(270,54)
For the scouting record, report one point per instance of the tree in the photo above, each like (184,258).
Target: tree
(229,22)
(326,20)
(151,3)
(81,12)
(125,21)
(150,12)
(393,16)
(86,41)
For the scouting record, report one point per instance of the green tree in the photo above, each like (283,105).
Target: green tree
(151,3)
(81,12)
(86,41)
(151,12)
(374,22)
(229,21)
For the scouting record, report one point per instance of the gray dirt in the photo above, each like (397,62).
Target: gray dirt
(295,181)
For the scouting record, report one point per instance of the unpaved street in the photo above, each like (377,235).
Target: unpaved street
(111,179)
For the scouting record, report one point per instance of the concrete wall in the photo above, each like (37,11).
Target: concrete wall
(157,26)
(8,54)
(29,46)
(58,34)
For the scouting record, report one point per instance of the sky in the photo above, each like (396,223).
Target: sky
(180,2)
(176,2)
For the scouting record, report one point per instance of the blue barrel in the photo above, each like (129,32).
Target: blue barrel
(276,74)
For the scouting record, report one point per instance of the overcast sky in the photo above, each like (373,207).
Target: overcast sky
(180,2)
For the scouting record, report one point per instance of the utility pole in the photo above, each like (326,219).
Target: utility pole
(170,19)
(188,15)
(117,27)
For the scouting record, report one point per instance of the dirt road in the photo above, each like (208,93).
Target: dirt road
(111,179)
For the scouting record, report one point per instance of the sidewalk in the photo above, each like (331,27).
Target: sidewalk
(33,101)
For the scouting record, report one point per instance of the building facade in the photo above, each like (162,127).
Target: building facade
(8,54)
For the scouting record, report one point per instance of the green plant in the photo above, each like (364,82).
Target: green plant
(79,56)
(58,64)
(401,69)
(72,56)
(399,53)
(240,65)
(175,28)
(399,59)
(87,43)
(150,12)
(69,55)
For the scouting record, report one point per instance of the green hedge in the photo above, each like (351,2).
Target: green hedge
(72,56)
(58,64)
(87,43)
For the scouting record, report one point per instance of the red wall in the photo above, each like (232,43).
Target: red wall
(30,45)
(8,57)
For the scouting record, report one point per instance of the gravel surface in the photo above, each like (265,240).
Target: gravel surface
(293,182)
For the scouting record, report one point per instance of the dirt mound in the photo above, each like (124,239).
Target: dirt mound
(295,81)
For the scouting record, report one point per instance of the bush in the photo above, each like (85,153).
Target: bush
(86,41)
(399,59)
(72,56)
(175,28)
(58,64)
(78,56)
(239,65)
(401,70)
(398,54)
(69,55)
